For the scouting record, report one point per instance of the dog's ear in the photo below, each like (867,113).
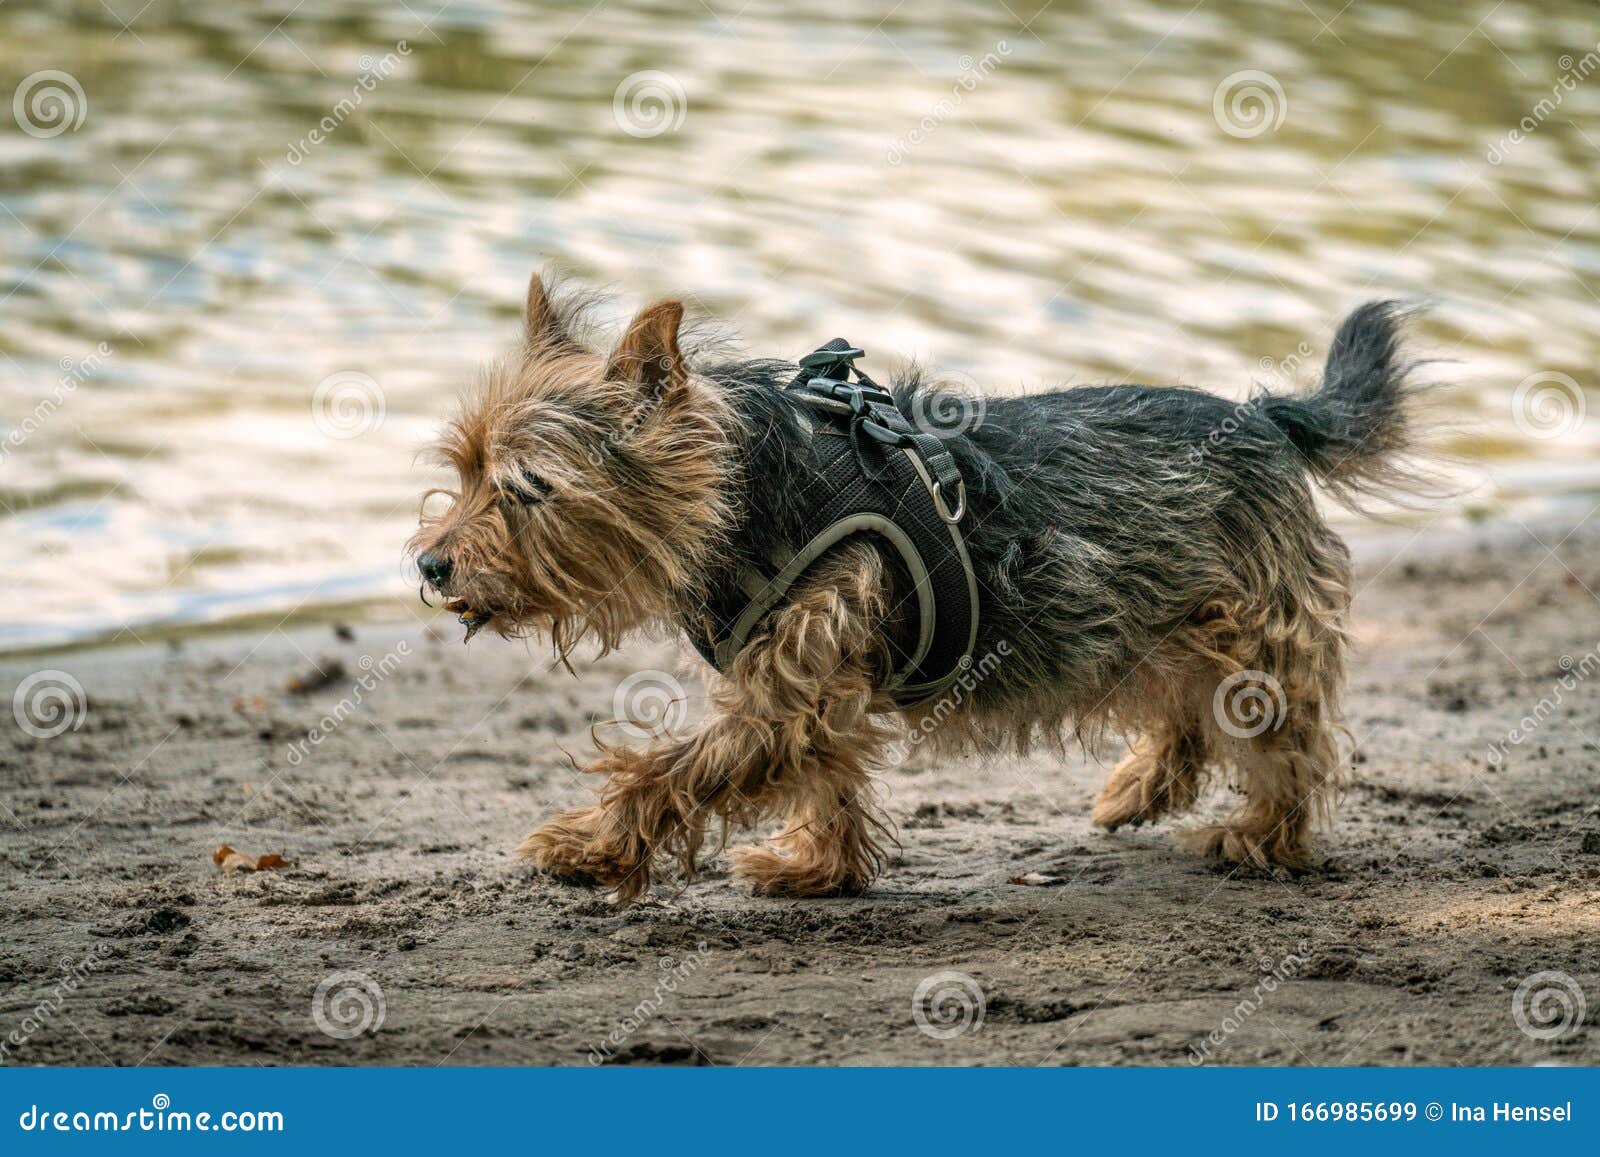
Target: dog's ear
(648,354)
(541,321)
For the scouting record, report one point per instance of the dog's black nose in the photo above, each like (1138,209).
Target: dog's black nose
(435,569)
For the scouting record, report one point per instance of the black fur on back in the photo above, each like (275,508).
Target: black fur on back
(1101,517)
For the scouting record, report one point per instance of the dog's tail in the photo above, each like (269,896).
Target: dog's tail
(1357,433)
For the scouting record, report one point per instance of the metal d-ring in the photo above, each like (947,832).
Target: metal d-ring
(961,502)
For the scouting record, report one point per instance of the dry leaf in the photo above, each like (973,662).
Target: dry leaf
(1037,880)
(231,861)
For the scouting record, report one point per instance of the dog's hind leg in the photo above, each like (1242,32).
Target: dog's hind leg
(791,726)
(1287,775)
(1274,715)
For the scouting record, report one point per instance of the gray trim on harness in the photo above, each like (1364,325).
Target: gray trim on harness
(773,592)
(930,690)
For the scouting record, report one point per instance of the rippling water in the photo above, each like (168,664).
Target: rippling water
(248,251)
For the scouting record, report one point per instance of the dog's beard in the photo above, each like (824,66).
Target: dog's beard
(471,617)
(513,613)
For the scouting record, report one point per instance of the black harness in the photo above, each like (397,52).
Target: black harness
(874,473)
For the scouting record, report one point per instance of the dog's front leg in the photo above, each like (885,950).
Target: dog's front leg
(790,728)
(611,842)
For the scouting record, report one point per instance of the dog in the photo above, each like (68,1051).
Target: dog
(1149,562)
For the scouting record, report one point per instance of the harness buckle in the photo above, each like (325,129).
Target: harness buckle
(827,362)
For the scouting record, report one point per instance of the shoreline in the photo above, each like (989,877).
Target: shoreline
(1368,537)
(1446,880)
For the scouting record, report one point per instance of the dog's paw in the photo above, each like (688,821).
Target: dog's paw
(1144,788)
(571,849)
(770,872)
(1122,802)
(1239,845)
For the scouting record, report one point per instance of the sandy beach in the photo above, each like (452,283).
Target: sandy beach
(1464,861)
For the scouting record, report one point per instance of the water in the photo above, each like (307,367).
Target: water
(1045,194)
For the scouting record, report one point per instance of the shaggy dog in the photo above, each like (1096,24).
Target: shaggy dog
(1151,561)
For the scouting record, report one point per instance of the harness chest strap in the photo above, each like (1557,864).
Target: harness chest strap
(876,474)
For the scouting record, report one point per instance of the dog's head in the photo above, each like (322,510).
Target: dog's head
(588,484)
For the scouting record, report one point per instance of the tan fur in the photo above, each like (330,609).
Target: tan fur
(595,561)
(792,729)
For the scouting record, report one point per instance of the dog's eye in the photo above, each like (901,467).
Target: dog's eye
(527,488)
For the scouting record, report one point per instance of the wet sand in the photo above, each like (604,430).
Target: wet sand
(1447,880)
